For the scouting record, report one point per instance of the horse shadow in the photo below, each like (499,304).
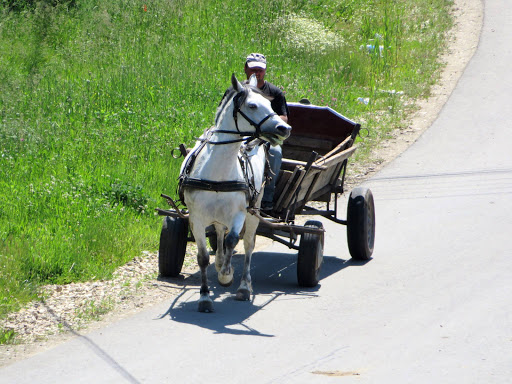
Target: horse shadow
(274,277)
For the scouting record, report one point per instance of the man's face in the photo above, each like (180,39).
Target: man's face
(258,72)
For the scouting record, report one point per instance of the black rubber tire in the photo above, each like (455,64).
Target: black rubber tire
(173,245)
(361,223)
(311,255)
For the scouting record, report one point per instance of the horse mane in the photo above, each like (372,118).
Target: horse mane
(231,94)
(228,95)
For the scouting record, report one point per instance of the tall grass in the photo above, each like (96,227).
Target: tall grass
(94,95)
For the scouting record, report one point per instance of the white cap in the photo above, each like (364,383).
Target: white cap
(256,60)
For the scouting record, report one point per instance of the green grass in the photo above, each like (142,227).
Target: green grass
(91,310)
(7,336)
(94,95)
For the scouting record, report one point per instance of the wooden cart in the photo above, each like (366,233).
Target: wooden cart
(315,159)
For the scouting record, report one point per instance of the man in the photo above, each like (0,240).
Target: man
(256,64)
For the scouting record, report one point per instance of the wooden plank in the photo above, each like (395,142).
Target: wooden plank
(308,183)
(288,164)
(337,158)
(311,188)
(322,182)
(293,187)
(347,143)
(284,176)
(316,184)
(322,194)
(336,174)
(285,190)
(324,198)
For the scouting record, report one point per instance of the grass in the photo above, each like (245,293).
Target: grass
(7,336)
(94,95)
(92,310)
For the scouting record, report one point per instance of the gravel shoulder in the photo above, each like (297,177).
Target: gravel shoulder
(70,310)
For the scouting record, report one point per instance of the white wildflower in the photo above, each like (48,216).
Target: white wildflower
(303,33)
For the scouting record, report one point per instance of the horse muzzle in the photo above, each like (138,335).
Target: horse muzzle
(277,134)
(284,131)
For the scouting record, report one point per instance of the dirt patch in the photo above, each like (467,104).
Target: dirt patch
(70,309)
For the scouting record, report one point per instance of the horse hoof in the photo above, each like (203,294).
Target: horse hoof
(226,283)
(243,295)
(205,306)
(226,280)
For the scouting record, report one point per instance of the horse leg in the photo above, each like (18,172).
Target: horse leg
(205,301)
(227,271)
(245,289)
(203,259)
(220,230)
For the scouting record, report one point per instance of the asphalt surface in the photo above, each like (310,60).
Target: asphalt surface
(432,306)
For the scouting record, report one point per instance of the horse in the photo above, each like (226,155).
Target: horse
(223,176)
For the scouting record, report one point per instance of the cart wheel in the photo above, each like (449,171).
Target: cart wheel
(173,244)
(311,255)
(361,223)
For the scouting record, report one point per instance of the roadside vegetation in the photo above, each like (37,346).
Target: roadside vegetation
(94,96)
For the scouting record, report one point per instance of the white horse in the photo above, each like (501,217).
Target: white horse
(221,179)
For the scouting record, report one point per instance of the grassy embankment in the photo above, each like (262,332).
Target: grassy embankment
(95,94)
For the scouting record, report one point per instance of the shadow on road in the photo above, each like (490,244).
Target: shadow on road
(274,277)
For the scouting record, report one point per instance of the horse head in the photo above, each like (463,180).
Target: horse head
(258,117)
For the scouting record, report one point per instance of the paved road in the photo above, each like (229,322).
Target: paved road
(433,306)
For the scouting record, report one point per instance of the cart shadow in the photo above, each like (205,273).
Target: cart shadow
(274,277)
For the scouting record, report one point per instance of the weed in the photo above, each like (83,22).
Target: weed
(91,310)
(7,336)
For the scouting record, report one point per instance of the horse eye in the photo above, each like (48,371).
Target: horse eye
(252,106)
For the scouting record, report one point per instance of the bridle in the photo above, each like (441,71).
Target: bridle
(257,126)
(247,186)
(237,104)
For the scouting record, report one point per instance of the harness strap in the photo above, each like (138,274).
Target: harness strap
(251,122)
(222,142)
(245,164)
(246,186)
(215,186)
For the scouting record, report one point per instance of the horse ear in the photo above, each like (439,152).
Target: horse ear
(235,83)
(253,81)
